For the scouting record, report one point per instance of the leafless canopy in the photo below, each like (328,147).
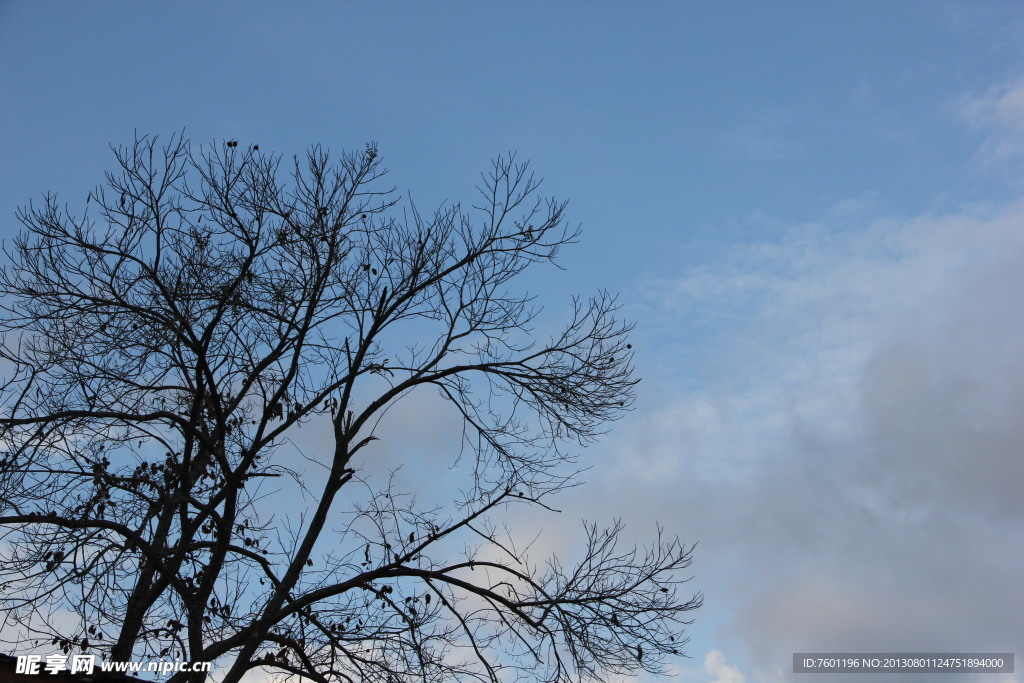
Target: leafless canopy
(164,350)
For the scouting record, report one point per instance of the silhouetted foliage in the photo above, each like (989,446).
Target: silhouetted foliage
(163,348)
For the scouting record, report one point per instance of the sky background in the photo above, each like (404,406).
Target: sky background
(814,212)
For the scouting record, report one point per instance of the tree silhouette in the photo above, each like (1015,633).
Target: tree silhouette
(162,354)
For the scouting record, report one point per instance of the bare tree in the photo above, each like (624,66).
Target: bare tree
(162,349)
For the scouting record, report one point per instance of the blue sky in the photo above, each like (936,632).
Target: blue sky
(814,211)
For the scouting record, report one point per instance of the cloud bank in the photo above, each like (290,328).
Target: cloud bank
(852,456)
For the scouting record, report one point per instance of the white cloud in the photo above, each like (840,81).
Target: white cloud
(716,665)
(715,670)
(850,458)
(1000,113)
